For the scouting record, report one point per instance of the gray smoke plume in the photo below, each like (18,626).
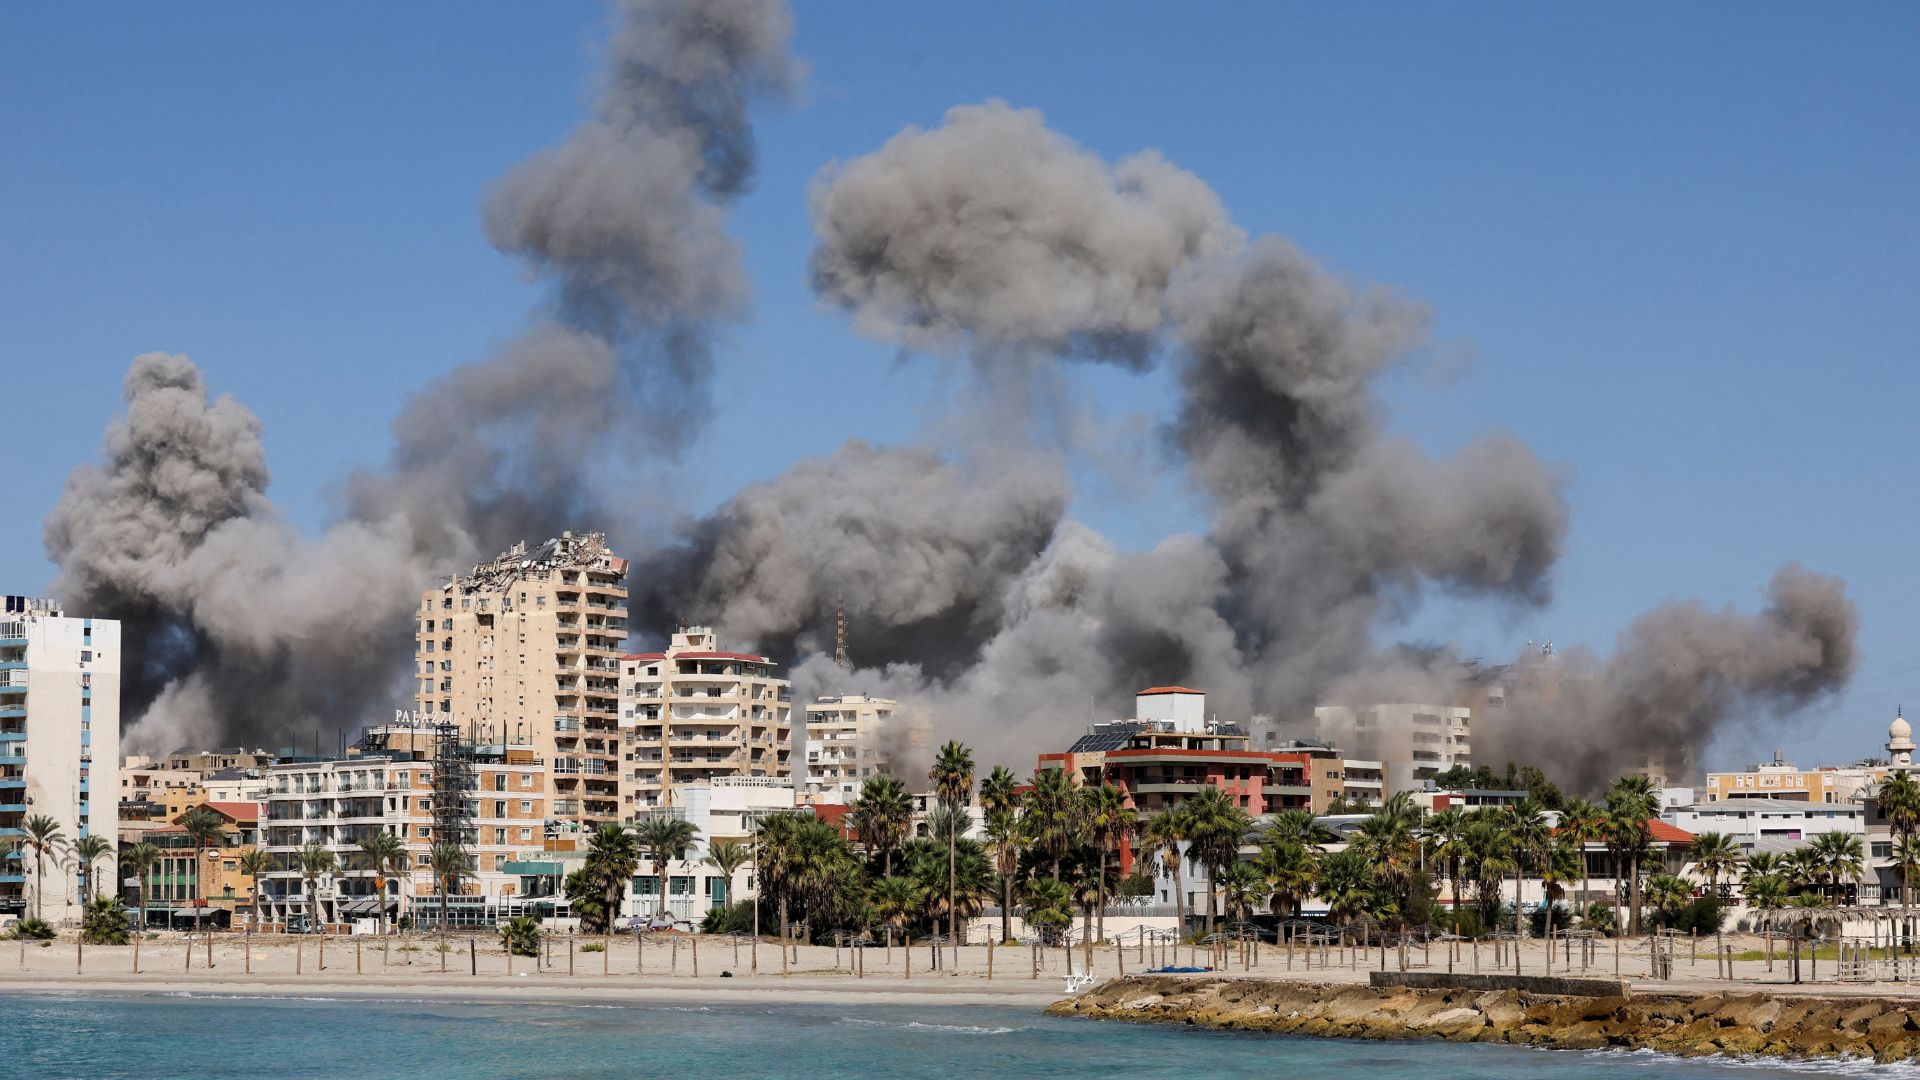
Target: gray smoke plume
(998,239)
(1676,674)
(992,232)
(243,629)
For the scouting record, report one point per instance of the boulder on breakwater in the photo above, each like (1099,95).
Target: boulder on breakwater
(1790,1026)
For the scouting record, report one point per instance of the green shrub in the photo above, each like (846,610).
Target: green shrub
(594,946)
(1599,918)
(104,922)
(732,919)
(1537,919)
(521,935)
(32,929)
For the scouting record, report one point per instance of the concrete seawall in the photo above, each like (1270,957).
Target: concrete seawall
(1790,1026)
(1532,984)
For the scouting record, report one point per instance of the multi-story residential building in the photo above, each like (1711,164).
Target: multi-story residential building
(726,809)
(693,714)
(525,651)
(386,784)
(1337,780)
(1415,743)
(1769,825)
(146,785)
(191,887)
(1171,750)
(59,743)
(208,762)
(844,744)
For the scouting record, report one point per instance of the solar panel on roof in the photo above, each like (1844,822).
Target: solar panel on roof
(1105,737)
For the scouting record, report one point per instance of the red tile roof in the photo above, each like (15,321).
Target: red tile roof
(645,656)
(1666,833)
(748,657)
(1167,690)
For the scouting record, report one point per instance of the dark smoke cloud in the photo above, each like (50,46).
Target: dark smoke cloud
(244,629)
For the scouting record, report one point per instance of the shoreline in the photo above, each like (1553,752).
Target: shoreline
(608,992)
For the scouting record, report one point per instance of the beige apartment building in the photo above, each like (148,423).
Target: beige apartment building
(694,714)
(525,651)
(385,784)
(1405,744)
(844,746)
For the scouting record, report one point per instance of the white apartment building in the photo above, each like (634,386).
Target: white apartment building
(1770,825)
(525,650)
(844,745)
(694,714)
(337,802)
(1414,743)
(725,809)
(59,744)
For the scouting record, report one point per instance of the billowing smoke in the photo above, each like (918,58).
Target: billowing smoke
(998,239)
(1675,675)
(241,629)
(970,589)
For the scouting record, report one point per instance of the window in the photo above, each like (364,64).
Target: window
(526,807)
(526,834)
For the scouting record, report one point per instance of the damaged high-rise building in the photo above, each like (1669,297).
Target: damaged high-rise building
(525,651)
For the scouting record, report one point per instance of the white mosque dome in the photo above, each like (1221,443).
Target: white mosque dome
(1900,729)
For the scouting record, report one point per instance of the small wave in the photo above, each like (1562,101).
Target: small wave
(1846,1066)
(916,1025)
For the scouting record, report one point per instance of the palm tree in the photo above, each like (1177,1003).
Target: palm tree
(1000,790)
(1110,819)
(1631,803)
(1766,893)
(204,830)
(253,863)
(1218,827)
(881,817)
(380,853)
(773,842)
(1445,837)
(1050,908)
(663,839)
(1005,835)
(87,851)
(1565,863)
(727,856)
(1490,855)
(1714,855)
(1289,869)
(1244,887)
(43,835)
(1346,885)
(894,901)
(1899,800)
(1162,837)
(1297,826)
(1052,815)
(1582,823)
(139,860)
(315,861)
(1531,839)
(1841,860)
(1385,843)
(450,864)
(952,776)
(1668,893)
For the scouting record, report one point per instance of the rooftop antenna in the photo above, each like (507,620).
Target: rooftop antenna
(840,634)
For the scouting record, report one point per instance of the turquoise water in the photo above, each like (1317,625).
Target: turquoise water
(214,1036)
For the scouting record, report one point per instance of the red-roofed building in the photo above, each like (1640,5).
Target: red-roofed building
(694,713)
(188,884)
(1170,752)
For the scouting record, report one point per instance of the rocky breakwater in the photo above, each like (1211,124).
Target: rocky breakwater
(1791,1026)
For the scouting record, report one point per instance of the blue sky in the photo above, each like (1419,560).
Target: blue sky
(1679,242)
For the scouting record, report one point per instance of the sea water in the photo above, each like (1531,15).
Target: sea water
(210,1036)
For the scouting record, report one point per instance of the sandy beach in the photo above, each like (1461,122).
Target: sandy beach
(677,968)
